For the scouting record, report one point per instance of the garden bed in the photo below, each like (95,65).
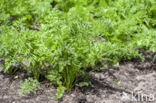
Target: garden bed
(113,85)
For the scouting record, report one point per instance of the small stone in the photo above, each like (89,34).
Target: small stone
(102,76)
(97,76)
(16,77)
(73,95)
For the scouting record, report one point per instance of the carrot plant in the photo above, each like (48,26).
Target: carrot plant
(71,36)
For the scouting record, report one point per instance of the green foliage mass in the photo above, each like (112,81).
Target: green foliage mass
(61,39)
(29,86)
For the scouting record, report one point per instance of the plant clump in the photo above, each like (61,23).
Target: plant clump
(61,39)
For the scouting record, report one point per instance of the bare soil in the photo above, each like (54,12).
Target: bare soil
(130,82)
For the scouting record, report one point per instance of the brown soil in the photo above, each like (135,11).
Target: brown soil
(131,82)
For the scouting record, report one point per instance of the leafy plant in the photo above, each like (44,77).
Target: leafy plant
(71,36)
(30,85)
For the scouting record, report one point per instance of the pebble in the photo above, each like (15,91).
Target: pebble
(99,76)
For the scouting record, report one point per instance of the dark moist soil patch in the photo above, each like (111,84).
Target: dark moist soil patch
(114,85)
